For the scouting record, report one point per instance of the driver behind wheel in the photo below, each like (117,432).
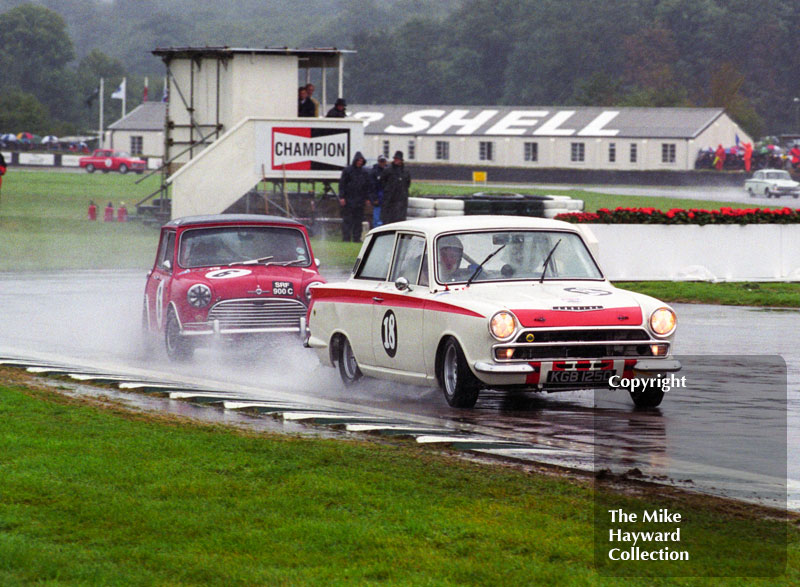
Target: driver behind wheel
(450,252)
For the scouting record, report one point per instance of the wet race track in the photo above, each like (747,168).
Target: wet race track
(718,435)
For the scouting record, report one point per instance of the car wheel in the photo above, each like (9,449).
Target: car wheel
(649,398)
(90,168)
(179,347)
(767,194)
(459,385)
(750,191)
(123,168)
(348,366)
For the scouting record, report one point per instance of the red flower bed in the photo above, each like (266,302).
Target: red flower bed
(680,216)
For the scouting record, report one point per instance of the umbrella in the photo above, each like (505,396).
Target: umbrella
(50,139)
(25,136)
(8,138)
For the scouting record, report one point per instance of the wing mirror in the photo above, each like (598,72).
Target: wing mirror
(167,264)
(402,284)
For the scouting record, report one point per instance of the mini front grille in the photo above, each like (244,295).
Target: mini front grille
(257,313)
(594,335)
(577,308)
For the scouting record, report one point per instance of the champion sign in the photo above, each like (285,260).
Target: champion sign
(308,148)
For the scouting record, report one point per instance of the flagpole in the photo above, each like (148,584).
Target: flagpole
(124,95)
(100,142)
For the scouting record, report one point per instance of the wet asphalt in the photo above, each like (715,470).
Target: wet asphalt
(734,430)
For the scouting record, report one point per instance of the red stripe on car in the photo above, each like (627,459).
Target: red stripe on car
(350,296)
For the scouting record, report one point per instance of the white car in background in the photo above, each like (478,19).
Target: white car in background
(500,302)
(772,182)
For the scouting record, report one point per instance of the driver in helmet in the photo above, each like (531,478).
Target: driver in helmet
(450,252)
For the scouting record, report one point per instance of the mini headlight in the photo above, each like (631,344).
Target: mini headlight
(199,295)
(308,289)
(502,325)
(663,321)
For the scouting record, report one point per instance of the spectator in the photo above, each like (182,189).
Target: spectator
(3,169)
(108,213)
(92,210)
(305,107)
(310,89)
(395,180)
(355,186)
(794,153)
(338,110)
(748,155)
(377,189)
(719,157)
(122,213)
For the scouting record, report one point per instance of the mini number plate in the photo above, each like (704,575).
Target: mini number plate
(282,288)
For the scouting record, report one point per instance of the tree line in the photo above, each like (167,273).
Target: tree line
(741,55)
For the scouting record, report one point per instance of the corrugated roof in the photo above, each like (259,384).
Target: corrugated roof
(544,121)
(147,116)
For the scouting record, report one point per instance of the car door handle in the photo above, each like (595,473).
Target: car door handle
(156,278)
(377,299)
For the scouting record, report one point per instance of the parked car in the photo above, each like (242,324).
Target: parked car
(772,183)
(501,302)
(228,275)
(109,160)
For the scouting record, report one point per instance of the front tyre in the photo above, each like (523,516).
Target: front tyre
(459,385)
(179,348)
(123,168)
(648,398)
(348,366)
(90,168)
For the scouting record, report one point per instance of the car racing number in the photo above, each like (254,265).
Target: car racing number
(389,333)
(282,288)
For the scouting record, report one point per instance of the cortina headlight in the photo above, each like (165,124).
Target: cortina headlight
(308,289)
(502,325)
(663,321)
(199,295)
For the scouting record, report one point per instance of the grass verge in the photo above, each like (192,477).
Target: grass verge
(94,493)
(773,295)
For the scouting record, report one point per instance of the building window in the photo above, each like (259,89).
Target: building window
(531,151)
(442,151)
(668,152)
(578,152)
(634,153)
(612,152)
(412,150)
(136,145)
(386,149)
(486,151)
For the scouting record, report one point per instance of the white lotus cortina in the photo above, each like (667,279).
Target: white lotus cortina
(500,302)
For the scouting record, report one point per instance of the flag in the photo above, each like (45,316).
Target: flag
(737,139)
(120,93)
(165,95)
(92,96)
(144,92)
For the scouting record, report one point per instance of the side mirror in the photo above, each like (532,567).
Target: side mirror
(402,284)
(316,261)
(167,265)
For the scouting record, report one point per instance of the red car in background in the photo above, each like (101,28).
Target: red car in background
(228,275)
(109,160)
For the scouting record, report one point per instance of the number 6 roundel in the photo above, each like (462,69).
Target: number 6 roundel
(389,333)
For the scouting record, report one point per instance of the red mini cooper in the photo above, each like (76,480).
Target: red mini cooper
(227,275)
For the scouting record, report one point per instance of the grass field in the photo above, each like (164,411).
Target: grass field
(43,225)
(92,493)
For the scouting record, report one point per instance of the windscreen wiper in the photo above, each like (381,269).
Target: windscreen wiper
(486,260)
(251,261)
(547,260)
(287,263)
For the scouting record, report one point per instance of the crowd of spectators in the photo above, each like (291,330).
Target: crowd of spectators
(746,157)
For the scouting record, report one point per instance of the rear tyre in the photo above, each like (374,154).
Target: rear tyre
(459,385)
(649,398)
(90,168)
(179,348)
(348,366)
(123,168)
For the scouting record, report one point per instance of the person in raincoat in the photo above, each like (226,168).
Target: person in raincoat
(355,188)
(719,157)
